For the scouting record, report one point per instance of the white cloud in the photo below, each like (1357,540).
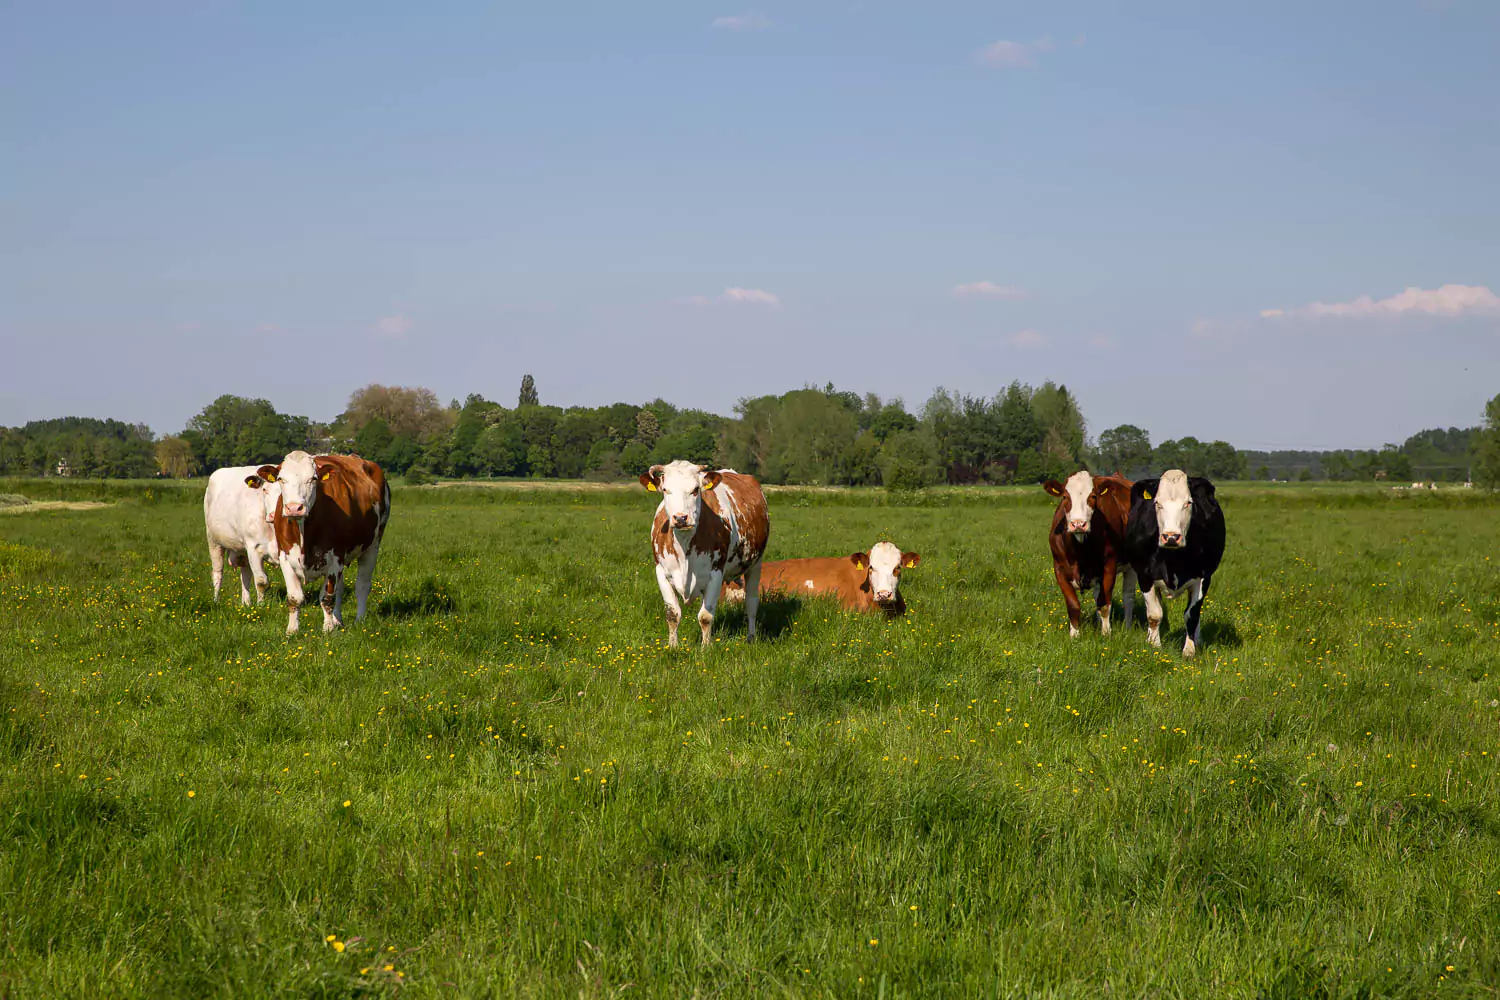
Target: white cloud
(393,326)
(1009,54)
(1449,300)
(738,297)
(988,290)
(748,21)
(1018,55)
(1027,338)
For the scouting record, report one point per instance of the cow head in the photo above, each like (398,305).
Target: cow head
(1174,508)
(270,493)
(299,475)
(1078,500)
(884,563)
(681,485)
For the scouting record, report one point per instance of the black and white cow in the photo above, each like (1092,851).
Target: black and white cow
(1175,540)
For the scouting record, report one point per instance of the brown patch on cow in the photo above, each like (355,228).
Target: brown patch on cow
(1077,565)
(753,517)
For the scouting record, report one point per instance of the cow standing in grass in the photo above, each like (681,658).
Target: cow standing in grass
(332,513)
(239,525)
(1176,540)
(1088,543)
(711,525)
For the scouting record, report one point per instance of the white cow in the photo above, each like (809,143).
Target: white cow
(238,523)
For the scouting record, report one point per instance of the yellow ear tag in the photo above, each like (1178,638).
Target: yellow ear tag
(1103,490)
(324,476)
(651,487)
(271,477)
(1146,494)
(860,564)
(910,563)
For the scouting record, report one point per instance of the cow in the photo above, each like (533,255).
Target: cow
(1088,542)
(1176,541)
(861,581)
(238,523)
(711,525)
(331,513)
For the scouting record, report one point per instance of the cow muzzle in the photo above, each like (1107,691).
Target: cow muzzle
(294,509)
(1078,527)
(1171,539)
(885,597)
(681,522)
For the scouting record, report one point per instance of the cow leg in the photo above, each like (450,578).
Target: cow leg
(1193,619)
(1130,585)
(247,576)
(1070,598)
(674,607)
(1105,600)
(256,560)
(216,563)
(710,603)
(363,579)
(1153,613)
(333,587)
(294,597)
(752,600)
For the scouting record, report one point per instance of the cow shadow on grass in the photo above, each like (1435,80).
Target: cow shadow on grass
(1212,633)
(429,597)
(774,617)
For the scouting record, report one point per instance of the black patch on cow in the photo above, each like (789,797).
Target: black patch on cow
(1197,560)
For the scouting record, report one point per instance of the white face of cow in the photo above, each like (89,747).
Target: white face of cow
(297,475)
(681,485)
(269,493)
(885,562)
(1174,509)
(1079,490)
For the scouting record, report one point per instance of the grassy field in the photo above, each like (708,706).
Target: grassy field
(502,783)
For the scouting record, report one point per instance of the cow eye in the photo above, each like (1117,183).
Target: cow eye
(697,490)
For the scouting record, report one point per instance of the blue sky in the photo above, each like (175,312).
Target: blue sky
(704,201)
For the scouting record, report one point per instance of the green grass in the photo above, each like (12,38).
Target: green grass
(543,801)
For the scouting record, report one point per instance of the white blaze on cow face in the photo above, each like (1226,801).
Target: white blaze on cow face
(1080,490)
(885,562)
(1174,509)
(681,485)
(298,477)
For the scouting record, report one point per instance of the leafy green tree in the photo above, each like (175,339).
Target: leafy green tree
(528,395)
(500,449)
(909,460)
(1061,422)
(1487,448)
(1016,426)
(1126,448)
(174,457)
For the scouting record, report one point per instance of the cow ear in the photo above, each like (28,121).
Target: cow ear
(1101,491)
(254,482)
(1201,487)
(651,478)
(859,559)
(1144,489)
(711,478)
(1054,487)
(648,482)
(268,472)
(910,559)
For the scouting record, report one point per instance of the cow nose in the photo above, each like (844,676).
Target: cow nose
(680,520)
(1078,525)
(1171,538)
(883,595)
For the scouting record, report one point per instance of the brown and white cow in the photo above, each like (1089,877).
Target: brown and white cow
(711,525)
(332,513)
(861,581)
(1088,543)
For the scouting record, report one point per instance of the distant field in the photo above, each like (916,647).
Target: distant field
(501,784)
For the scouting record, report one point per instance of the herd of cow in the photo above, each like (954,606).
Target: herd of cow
(315,516)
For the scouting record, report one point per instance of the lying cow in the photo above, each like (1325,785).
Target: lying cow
(1176,540)
(1088,542)
(711,525)
(238,523)
(863,581)
(331,514)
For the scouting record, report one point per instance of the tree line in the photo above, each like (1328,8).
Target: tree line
(811,436)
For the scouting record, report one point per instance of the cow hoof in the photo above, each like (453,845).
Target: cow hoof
(1188,649)
(1072,632)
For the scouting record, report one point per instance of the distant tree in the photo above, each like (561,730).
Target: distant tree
(500,449)
(413,412)
(528,395)
(909,460)
(647,428)
(233,430)
(1487,448)
(1016,426)
(1126,448)
(1059,416)
(174,457)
